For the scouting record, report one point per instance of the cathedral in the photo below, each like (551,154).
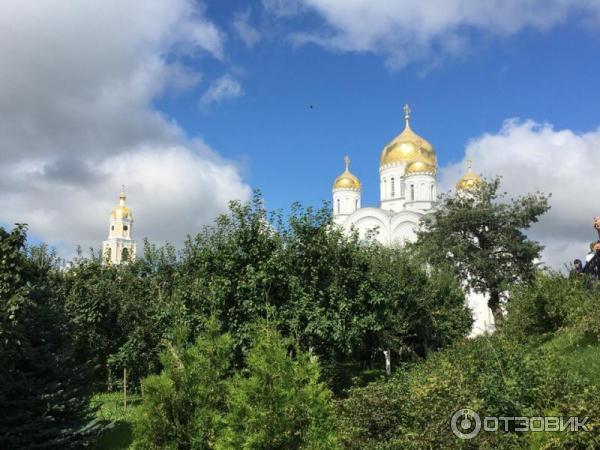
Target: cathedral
(407,192)
(408,189)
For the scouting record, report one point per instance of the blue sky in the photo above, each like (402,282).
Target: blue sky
(193,103)
(293,153)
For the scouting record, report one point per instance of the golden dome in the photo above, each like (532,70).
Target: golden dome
(121,211)
(407,146)
(469,180)
(346,180)
(420,164)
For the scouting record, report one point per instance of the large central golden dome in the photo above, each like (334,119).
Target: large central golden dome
(407,147)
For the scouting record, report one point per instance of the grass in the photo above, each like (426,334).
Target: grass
(119,434)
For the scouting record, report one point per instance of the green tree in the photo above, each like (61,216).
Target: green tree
(44,391)
(182,407)
(338,296)
(230,269)
(122,312)
(480,238)
(278,401)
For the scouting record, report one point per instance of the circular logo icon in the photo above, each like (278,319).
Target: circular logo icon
(465,424)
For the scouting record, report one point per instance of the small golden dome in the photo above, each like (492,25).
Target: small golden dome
(121,211)
(469,180)
(407,146)
(346,180)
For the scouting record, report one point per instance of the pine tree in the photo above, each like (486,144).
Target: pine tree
(44,393)
(279,402)
(182,406)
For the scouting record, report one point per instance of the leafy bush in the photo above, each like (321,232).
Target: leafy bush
(550,303)
(545,361)
(413,409)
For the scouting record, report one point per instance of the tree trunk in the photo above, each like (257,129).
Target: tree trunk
(494,305)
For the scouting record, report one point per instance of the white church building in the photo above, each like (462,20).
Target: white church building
(408,191)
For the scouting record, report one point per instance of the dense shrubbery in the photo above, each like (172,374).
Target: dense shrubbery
(333,303)
(343,299)
(340,299)
(553,302)
(544,361)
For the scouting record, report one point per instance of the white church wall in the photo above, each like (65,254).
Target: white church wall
(483,319)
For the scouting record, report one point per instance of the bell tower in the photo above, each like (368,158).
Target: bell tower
(119,247)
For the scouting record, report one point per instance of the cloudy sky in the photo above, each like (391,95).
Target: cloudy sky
(193,103)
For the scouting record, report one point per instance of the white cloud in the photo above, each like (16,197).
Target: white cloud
(173,191)
(76,90)
(531,157)
(247,32)
(416,30)
(223,88)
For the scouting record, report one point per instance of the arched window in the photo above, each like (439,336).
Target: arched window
(412,191)
(402,189)
(393,188)
(432,192)
(125,227)
(384,193)
(338,206)
(356,204)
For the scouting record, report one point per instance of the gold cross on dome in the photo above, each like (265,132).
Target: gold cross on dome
(469,164)
(347,161)
(406,111)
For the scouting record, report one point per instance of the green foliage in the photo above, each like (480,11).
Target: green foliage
(545,361)
(182,406)
(122,313)
(278,401)
(44,392)
(481,239)
(553,302)
(198,403)
(345,300)
(339,297)
(413,409)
